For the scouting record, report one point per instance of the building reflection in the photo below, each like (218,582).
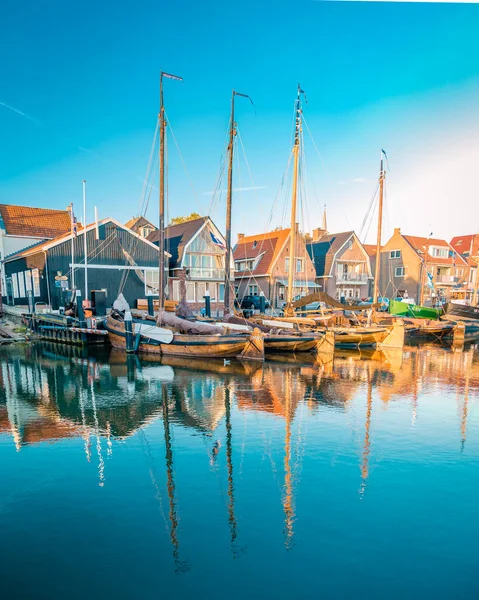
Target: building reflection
(50,393)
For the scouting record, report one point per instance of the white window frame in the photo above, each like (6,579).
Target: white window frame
(394,254)
(190,286)
(300,263)
(28,281)
(15,286)
(21,285)
(400,275)
(36,283)
(252,290)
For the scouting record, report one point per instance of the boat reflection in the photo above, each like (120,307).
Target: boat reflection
(50,394)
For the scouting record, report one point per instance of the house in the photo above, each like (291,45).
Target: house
(118,260)
(468,247)
(198,247)
(262,266)
(405,260)
(141,226)
(22,226)
(342,265)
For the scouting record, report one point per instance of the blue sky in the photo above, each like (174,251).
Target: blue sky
(404,77)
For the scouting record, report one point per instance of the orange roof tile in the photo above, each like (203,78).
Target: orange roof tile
(34,222)
(420,244)
(462,244)
(370,249)
(269,245)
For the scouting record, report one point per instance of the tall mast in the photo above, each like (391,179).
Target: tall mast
(424,273)
(85,240)
(229,202)
(382,176)
(289,311)
(162,125)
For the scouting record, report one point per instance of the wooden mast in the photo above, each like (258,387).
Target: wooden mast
(377,270)
(229,202)
(289,310)
(161,265)
(424,273)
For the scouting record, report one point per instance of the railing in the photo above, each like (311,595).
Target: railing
(206,273)
(351,277)
(446,279)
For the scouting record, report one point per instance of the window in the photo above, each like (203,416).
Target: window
(222,292)
(15,285)
(399,272)
(252,290)
(299,265)
(200,291)
(350,293)
(356,293)
(350,244)
(21,285)
(286,264)
(36,282)
(395,254)
(211,288)
(460,272)
(281,289)
(190,291)
(176,290)
(440,252)
(28,281)
(152,281)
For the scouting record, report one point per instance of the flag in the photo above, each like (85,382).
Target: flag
(169,76)
(430,282)
(217,242)
(74,223)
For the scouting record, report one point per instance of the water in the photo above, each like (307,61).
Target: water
(356,479)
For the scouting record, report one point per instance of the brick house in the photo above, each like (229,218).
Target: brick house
(404,259)
(342,264)
(262,266)
(199,247)
(468,247)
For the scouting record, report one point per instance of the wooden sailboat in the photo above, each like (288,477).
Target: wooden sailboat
(173,336)
(275,339)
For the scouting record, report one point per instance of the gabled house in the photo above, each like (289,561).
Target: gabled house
(341,263)
(118,260)
(262,266)
(468,247)
(141,226)
(405,259)
(22,226)
(198,247)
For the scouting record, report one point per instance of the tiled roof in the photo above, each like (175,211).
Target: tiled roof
(420,243)
(462,244)
(268,245)
(34,222)
(322,252)
(176,237)
(370,249)
(139,222)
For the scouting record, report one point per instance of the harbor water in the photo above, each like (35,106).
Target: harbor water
(129,477)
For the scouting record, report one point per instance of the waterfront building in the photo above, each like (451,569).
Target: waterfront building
(410,264)
(141,226)
(22,226)
(342,264)
(262,264)
(118,260)
(468,247)
(199,248)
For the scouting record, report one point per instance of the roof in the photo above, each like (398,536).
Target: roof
(462,244)
(141,221)
(176,238)
(45,245)
(370,249)
(322,252)
(34,222)
(420,243)
(266,247)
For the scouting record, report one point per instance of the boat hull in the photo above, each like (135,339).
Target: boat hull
(360,336)
(413,311)
(290,343)
(462,312)
(183,345)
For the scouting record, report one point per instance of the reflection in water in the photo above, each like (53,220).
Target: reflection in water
(50,394)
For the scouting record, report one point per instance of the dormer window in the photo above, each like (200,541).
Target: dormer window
(255,243)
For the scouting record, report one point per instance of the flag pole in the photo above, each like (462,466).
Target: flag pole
(84,240)
(73,246)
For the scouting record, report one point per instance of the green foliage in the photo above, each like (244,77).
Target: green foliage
(191,217)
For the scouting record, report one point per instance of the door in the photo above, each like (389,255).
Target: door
(9,290)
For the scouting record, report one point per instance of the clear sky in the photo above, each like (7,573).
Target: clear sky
(404,77)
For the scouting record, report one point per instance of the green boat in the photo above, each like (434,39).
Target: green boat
(412,311)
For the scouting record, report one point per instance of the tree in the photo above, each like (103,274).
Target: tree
(190,217)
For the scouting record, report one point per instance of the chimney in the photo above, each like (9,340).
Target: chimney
(397,230)
(318,233)
(240,237)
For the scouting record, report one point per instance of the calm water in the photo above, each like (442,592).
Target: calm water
(356,479)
